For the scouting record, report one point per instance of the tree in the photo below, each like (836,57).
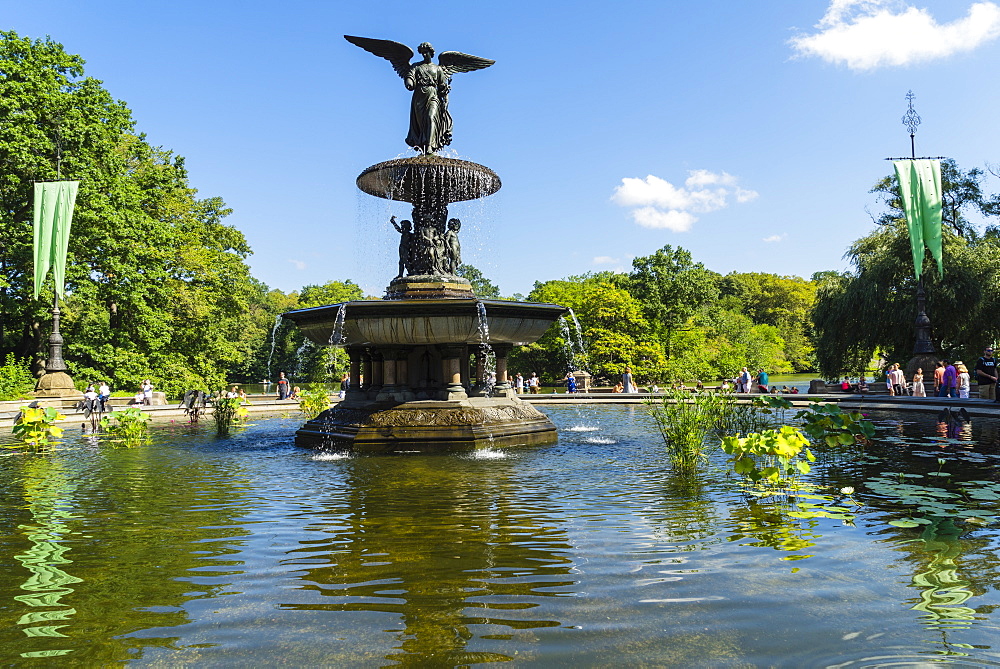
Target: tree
(615,331)
(481,286)
(671,288)
(871,310)
(157,285)
(783,302)
(285,348)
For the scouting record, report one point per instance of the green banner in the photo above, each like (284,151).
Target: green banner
(54,202)
(920,192)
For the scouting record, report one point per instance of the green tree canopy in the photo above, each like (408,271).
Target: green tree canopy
(671,287)
(157,284)
(872,309)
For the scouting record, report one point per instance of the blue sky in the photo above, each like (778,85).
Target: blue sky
(746,132)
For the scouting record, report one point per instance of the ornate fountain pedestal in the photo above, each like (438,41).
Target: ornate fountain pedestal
(412,373)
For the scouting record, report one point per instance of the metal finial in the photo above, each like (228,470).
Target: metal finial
(911,120)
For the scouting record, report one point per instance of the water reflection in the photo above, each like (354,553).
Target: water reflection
(47,491)
(109,545)
(455,554)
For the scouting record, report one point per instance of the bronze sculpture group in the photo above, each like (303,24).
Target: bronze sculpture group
(429,250)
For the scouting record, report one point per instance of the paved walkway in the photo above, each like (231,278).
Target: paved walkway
(974,406)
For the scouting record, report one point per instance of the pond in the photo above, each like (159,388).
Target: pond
(590,552)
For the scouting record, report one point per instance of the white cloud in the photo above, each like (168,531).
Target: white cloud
(657,203)
(298,264)
(774,238)
(868,34)
(650,217)
(606,260)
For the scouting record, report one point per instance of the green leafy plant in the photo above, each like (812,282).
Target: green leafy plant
(16,380)
(314,401)
(36,426)
(685,421)
(772,457)
(129,426)
(228,411)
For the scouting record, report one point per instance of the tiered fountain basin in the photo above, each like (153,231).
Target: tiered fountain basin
(416,374)
(429,176)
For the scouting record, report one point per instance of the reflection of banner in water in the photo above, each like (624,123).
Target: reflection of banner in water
(46,489)
(943,591)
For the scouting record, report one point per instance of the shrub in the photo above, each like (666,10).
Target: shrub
(16,380)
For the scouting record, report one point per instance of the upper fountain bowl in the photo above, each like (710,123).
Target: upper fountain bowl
(429,177)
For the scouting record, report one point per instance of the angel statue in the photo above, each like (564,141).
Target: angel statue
(430,122)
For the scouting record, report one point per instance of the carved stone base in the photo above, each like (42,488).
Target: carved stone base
(56,384)
(427,425)
(429,287)
(925,361)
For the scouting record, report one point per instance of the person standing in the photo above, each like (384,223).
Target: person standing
(147,392)
(743,384)
(986,375)
(762,381)
(570,382)
(533,383)
(938,377)
(898,380)
(519,384)
(103,395)
(627,385)
(949,381)
(282,386)
(918,383)
(963,379)
(345,383)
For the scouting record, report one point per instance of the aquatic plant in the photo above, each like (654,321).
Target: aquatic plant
(228,411)
(771,457)
(685,421)
(36,426)
(824,422)
(128,427)
(739,418)
(314,401)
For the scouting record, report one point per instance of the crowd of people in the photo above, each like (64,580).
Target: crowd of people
(949,379)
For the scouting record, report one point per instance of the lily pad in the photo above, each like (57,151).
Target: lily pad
(903,523)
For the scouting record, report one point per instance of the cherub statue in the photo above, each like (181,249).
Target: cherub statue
(453,248)
(405,243)
(430,122)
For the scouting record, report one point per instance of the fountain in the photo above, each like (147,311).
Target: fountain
(414,355)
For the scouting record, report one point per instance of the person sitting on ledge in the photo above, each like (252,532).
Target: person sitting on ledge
(619,388)
(795,391)
(862,385)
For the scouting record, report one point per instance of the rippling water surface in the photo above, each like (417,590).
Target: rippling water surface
(590,552)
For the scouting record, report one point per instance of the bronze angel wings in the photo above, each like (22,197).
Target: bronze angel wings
(400,56)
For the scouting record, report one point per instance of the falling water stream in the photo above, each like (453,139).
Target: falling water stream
(274,341)
(490,361)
